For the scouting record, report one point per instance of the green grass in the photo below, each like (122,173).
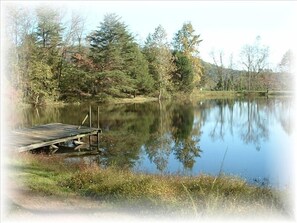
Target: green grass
(167,194)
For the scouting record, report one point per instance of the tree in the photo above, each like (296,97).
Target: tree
(35,39)
(75,31)
(40,87)
(71,50)
(254,59)
(220,70)
(115,52)
(161,61)
(224,76)
(186,147)
(187,42)
(75,81)
(49,40)
(286,63)
(19,24)
(184,75)
(138,68)
(39,81)
(231,73)
(110,44)
(49,28)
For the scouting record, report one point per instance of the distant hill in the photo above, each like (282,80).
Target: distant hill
(238,79)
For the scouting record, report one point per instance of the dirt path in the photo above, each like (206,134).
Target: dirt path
(22,205)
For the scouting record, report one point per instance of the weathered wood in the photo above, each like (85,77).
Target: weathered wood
(79,147)
(90,115)
(83,121)
(53,149)
(98,117)
(47,135)
(78,142)
(90,111)
(98,124)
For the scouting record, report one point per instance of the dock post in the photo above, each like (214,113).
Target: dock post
(98,117)
(90,112)
(90,115)
(98,125)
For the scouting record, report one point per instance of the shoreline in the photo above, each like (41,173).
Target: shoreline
(48,178)
(195,95)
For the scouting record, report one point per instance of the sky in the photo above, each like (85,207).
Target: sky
(223,25)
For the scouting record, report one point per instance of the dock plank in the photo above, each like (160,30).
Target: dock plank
(45,135)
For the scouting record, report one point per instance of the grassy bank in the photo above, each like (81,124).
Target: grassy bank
(197,94)
(201,195)
(137,99)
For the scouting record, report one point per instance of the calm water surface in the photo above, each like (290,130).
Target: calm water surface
(250,138)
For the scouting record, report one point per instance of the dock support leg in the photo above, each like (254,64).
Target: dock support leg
(90,115)
(98,141)
(53,149)
(79,145)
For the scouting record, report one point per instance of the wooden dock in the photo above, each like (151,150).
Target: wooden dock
(49,135)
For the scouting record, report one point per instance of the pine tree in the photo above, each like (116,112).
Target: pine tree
(184,75)
(40,83)
(110,44)
(49,39)
(137,68)
(115,52)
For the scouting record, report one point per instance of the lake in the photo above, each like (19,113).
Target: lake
(250,138)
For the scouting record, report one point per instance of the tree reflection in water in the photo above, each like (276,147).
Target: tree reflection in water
(250,118)
(186,147)
(159,131)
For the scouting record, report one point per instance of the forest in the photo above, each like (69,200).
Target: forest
(50,59)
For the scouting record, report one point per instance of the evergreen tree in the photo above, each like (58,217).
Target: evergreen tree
(49,39)
(75,82)
(115,52)
(40,83)
(110,44)
(137,68)
(49,29)
(184,75)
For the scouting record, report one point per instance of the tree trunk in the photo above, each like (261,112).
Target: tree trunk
(36,100)
(160,94)
(249,81)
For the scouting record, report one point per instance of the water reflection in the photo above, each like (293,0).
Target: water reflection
(186,138)
(248,118)
(158,137)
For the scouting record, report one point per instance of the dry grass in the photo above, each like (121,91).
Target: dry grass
(197,196)
(137,99)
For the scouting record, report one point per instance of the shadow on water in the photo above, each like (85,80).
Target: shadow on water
(177,137)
